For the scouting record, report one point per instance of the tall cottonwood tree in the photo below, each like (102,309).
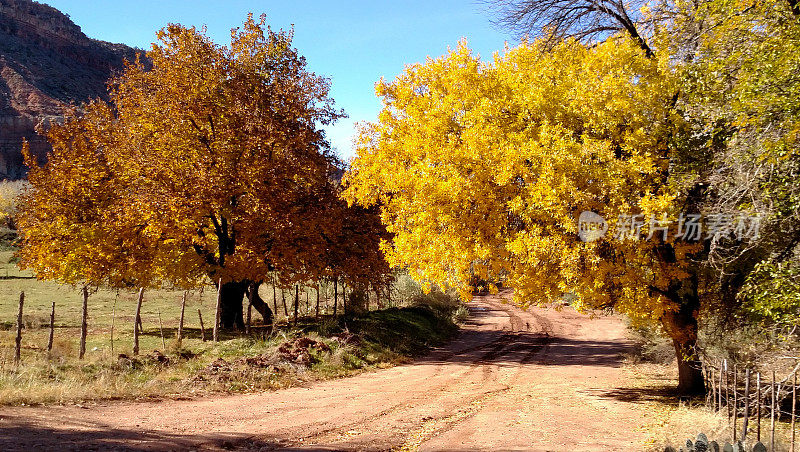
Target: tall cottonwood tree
(737,63)
(725,122)
(208,163)
(482,169)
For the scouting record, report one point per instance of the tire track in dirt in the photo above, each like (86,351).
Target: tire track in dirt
(555,355)
(431,395)
(494,347)
(536,346)
(434,427)
(504,345)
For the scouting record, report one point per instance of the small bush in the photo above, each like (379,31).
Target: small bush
(650,345)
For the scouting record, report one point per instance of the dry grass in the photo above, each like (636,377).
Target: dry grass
(675,419)
(60,380)
(60,377)
(203,368)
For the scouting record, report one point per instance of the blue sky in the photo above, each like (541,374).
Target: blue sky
(353,43)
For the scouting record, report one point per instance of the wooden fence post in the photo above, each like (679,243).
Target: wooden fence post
(735,400)
(335,295)
(250,298)
(714,391)
(202,328)
(52,329)
(706,381)
(317,311)
(296,301)
(746,403)
(161,328)
(285,309)
(84,322)
(727,392)
(180,323)
(772,415)
(794,403)
(713,382)
(216,314)
(758,406)
(137,321)
(18,340)
(719,389)
(139,324)
(275,300)
(113,321)
(249,318)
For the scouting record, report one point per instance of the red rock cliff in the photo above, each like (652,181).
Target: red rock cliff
(46,64)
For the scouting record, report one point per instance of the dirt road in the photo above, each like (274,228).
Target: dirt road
(513,380)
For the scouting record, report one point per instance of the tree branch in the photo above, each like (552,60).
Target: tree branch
(555,20)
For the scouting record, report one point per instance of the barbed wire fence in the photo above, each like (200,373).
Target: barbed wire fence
(123,327)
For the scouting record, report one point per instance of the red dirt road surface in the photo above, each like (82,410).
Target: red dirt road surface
(540,379)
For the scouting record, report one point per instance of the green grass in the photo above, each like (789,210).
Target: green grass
(407,327)
(406,331)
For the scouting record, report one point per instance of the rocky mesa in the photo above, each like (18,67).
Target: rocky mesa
(46,64)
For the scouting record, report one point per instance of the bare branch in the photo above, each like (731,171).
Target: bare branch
(584,20)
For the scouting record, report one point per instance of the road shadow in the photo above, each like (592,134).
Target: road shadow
(19,434)
(530,347)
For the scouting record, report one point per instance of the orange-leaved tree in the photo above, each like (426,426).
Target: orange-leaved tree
(208,163)
(482,169)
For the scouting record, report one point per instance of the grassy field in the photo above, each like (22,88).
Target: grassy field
(166,368)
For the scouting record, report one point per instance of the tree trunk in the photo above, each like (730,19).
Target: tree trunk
(84,320)
(231,296)
(681,326)
(259,304)
(690,376)
(335,295)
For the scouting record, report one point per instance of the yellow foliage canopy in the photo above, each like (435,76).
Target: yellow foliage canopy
(483,168)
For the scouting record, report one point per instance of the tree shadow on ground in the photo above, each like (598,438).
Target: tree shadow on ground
(666,395)
(531,347)
(18,434)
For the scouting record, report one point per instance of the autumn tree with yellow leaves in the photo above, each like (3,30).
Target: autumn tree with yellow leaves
(733,150)
(208,164)
(483,169)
